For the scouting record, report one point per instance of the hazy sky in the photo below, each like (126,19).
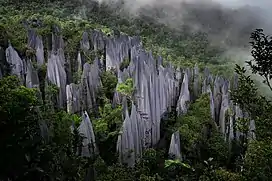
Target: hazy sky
(266,4)
(250,14)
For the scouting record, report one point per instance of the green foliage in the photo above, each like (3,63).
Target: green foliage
(109,82)
(18,126)
(53,89)
(262,56)
(76,119)
(190,126)
(109,122)
(257,157)
(200,139)
(242,124)
(117,172)
(77,76)
(42,75)
(106,128)
(60,152)
(145,169)
(3,37)
(182,47)
(90,55)
(149,158)
(217,148)
(28,155)
(178,170)
(169,163)
(258,160)
(249,99)
(107,31)
(147,178)
(222,175)
(124,64)
(13,30)
(50,93)
(126,88)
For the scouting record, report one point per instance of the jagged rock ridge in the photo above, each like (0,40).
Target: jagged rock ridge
(157,90)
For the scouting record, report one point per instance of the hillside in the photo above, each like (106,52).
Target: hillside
(184,47)
(91,93)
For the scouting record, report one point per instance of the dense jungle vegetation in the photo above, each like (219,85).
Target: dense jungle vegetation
(26,154)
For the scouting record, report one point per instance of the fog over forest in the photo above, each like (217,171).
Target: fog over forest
(227,22)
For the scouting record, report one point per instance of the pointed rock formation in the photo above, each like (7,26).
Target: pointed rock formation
(174,149)
(18,66)
(86,130)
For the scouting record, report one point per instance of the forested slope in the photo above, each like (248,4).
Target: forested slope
(90,94)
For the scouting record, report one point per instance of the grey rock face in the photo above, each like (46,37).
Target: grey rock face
(196,82)
(35,42)
(31,38)
(98,40)
(157,90)
(57,41)
(90,83)
(159,61)
(56,75)
(174,148)
(125,143)
(238,114)
(211,102)
(86,130)
(39,51)
(116,51)
(252,128)
(235,81)
(217,97)
(223,112)
(17,64)
(32,80)
(112,59)
(136,131)
(73,98)
(85,43)
(184,96)
(230,125)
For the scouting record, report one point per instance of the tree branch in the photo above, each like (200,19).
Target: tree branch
(268,82)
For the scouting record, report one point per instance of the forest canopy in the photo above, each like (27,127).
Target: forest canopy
(81,90)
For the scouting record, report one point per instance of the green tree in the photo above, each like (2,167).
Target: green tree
(262,55)
(257,162)
(18,128)
(27,153)
(126,88)
(257,158)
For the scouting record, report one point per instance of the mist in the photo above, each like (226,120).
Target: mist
(228,23)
